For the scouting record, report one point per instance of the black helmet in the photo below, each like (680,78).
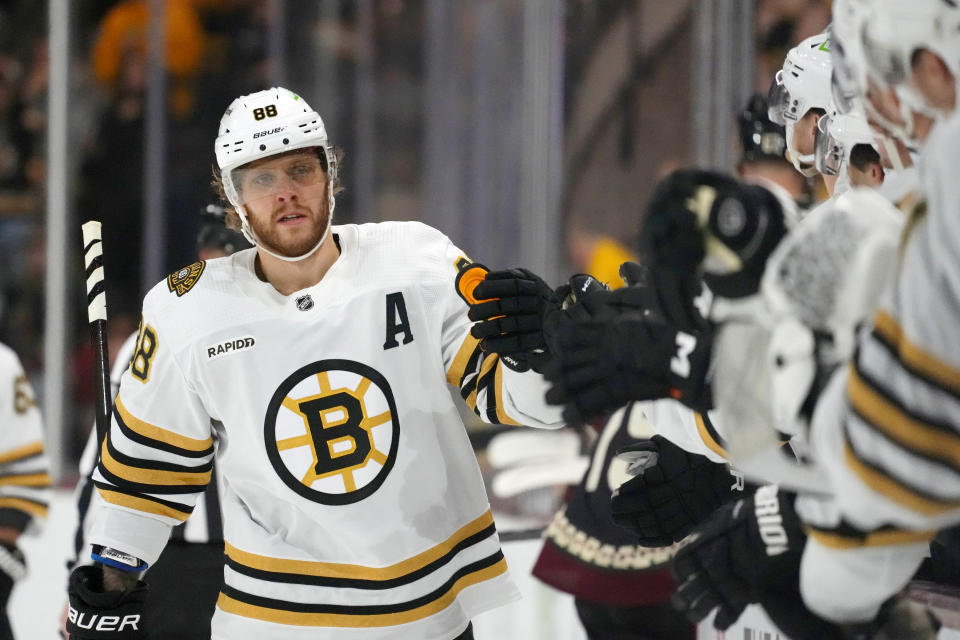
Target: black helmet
(214,232)
(760,139)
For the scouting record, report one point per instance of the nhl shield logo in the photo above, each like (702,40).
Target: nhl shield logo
(305,303)
(183,280)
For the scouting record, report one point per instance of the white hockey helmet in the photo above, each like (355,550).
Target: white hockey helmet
(836,136)
(264,124)
(849,75)
(803,84)
(894,30)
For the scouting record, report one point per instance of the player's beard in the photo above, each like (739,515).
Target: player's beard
(302,240)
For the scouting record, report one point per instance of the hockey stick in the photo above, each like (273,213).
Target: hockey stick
(97,316)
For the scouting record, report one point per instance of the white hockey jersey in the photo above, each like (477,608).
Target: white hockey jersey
(24,468)
(353,504)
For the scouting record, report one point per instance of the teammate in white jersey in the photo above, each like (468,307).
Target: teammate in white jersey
(314,368)
(24,474)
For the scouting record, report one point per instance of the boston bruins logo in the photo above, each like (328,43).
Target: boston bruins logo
(332,431)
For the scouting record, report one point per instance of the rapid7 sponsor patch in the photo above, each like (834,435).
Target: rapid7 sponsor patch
(229,346)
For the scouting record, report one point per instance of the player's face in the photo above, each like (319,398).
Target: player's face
(285,197)
(934,81)
(804,133)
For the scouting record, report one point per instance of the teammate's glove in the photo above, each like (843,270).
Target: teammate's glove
(98,614)
(706,220)
(675,492)
(603,364)
(749,551)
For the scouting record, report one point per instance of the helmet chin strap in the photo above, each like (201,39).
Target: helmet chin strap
(805,164)
(251,236)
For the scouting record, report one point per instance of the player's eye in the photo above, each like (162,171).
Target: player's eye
(302,171)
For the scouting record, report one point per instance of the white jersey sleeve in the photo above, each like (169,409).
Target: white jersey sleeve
(691,431)
(497,393)
(84,494)
(158,454)
(24,468)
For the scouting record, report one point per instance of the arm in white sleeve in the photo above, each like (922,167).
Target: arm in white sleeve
(24,467)
(158,454)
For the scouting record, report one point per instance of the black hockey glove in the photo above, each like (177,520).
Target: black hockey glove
(517,314)
(95,614)
(508,312)
(707,221)
(603,364)
(748,552)
(674,493)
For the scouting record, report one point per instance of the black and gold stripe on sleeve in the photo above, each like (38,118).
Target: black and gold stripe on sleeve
(21,504)
(20,454)
(151,476)
(476,372)
(709,436)
(158,438)
(143,502)
(846,536)
(234,601)
(888,333)
(922,436)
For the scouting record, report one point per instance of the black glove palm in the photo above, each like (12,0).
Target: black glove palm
(668,499)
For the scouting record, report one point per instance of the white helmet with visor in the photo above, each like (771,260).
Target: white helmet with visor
(890,36)
(263,124)
(836,136)
(803,84)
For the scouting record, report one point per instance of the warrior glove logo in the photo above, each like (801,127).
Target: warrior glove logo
(332,431)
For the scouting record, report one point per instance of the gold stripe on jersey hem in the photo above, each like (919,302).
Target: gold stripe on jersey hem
(26,480)
(28,506)
(459,366)
(27,450)
(162,435)
(913,434)
(355,571)
(502,416)
(893,489)
(297,618)
(707,438)
(874,539)
(143,504)
(914,356)
(150,476)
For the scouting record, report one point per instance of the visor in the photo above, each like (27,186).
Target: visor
(778,99)
(300,173)
(829,152)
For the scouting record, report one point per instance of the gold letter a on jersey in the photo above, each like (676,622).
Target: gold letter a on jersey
(332,432)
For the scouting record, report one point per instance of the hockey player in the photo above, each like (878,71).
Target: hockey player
(353,505)
(24,474)
(799,96)
(763,148)
(196,546)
